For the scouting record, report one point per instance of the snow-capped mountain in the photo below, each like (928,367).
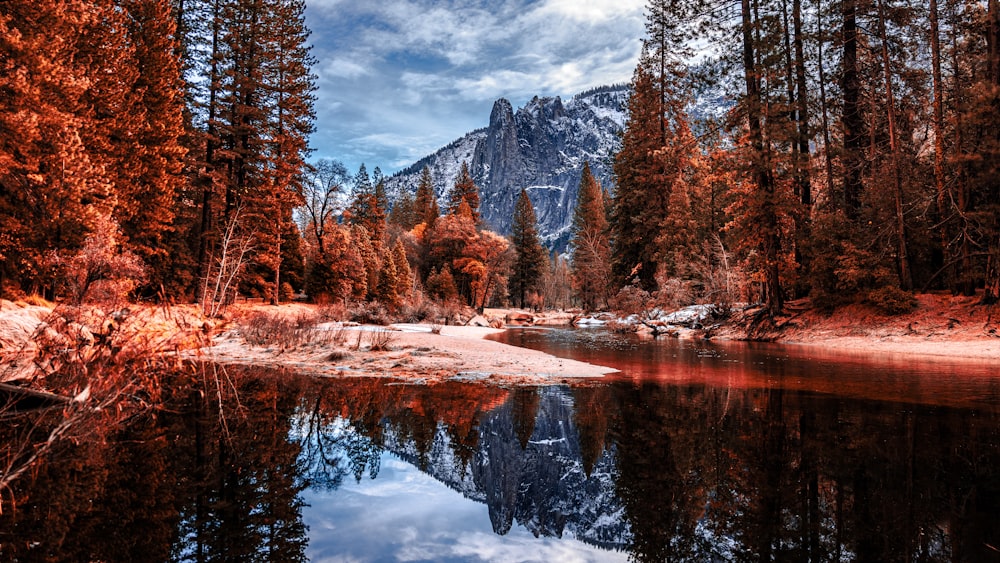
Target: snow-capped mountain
(541,147)
(541,485)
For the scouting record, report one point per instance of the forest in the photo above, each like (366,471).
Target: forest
(159,150)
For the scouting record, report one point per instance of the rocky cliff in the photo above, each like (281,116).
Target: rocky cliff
(541,484)
(540,147)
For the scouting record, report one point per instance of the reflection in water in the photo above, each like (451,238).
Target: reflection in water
(738,458)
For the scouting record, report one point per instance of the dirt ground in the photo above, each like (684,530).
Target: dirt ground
(941,326)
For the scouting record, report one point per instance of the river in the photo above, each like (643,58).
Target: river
(693,452)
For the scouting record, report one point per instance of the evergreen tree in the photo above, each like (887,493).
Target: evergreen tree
(762,229)
(591,268)
(441,285)
(370,257)
(403,213)
(366,209)
(657,152)
(425,202)
(464,190)
(404,275)
(339,274)
(530,259)
(150,190)
(386,290)
(290,85)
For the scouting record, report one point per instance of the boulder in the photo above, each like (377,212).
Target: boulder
(478,320)
(515,318)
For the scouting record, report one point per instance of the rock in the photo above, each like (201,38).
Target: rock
(478,320)
(589,321)
(515,318)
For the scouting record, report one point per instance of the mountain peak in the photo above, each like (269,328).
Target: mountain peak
(542,148)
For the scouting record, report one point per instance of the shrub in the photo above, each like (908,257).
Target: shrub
(632,300)
(264,329)
(101,270)
(892,300)
(370,313)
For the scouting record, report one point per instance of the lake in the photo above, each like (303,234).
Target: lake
(694,452)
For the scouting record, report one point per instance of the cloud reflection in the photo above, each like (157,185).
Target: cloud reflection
(406,515)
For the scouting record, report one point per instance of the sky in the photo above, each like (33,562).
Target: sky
(399,79)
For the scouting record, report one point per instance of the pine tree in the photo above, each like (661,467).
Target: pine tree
(657,152)
(531,258)
(370,257)
(425,196)
(386,290)
(403,213)
(65,68)
(441,285)
(151,189)
(591,267)
(464,190)
(366,209)
(338,275)
(760,206)
(404,275)
(641,193)
(290,86)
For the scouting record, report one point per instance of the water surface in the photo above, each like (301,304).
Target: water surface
(694,452)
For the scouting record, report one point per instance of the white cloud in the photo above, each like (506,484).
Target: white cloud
(427,72)
(341,68)
(591,11)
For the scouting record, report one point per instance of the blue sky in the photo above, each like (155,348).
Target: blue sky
(398,79)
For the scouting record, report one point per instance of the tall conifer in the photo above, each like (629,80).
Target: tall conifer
(530,259)
(464,190)
(591,268)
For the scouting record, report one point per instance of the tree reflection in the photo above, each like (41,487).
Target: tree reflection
(244,502)
(668,472)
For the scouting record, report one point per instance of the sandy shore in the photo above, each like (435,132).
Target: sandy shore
(977,350)
(942,328)
(414,352)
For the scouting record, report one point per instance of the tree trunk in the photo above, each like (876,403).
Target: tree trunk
(827,156)
(802,99)
(992,286)
(939,185)
(903,262)
(773,298)
(851,118)
(208,178)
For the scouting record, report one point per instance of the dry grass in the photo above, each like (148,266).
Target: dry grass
(290,331)
(380,340)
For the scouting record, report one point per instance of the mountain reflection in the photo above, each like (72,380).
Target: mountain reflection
(688,472)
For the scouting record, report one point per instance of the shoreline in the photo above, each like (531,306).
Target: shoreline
(941,329)
(414,353)
(940,350)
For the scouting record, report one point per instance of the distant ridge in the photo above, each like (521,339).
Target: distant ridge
(541,147)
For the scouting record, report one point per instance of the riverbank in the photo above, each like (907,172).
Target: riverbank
(414,352)
(940,326)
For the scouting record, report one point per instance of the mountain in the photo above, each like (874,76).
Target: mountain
(541,147)
(541,484)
